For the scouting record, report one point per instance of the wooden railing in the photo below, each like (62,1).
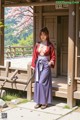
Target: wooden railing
(15,51)
(17,78)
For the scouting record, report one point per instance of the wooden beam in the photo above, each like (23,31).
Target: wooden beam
(71,56)
(55,13)
(2,35)
(28,0)
(30,4)
(42,0)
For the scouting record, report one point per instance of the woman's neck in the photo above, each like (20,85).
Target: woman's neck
(44,42)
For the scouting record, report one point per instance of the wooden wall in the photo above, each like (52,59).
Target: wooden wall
(62,44)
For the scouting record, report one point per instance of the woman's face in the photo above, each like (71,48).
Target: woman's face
(43,36)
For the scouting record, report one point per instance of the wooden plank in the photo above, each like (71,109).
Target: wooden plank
(71,45)
(2,35)
(19,81)
(16,86)
(23,70)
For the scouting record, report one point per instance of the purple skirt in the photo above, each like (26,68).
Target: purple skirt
(43,81)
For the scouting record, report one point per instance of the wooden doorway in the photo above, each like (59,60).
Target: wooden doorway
(51,23)
(62,45)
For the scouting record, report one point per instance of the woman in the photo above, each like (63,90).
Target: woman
(42,61)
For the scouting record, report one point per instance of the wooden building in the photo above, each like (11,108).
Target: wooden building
(62,21)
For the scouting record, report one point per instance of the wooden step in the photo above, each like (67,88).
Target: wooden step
(59,94)
(59,88)
(55,87)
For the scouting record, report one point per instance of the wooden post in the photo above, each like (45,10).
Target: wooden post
(34,30)
(8,64)
(29,88)
(10,50)
(40,17)
(14,51)
(71,56)
(40,23)
(77,35)
(2,35)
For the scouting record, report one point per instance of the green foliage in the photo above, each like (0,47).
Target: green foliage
(1,25)
(11,34)
(24,42)
(14,94)
(9,97)
(23,100)
(66,107)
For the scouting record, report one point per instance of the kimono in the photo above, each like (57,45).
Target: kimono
(43,53)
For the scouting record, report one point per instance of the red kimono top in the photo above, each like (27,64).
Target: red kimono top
(47,50)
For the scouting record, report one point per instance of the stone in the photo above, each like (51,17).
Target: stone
(2,93)
(2,104)
(15,101)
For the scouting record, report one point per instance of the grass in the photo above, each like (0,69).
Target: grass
(14,94)
(9,97)
(23,100)
(66,107)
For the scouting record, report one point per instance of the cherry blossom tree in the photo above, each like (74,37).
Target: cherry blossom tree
(23,18)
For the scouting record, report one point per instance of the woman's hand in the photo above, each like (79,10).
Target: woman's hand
(32,70)
(51,63)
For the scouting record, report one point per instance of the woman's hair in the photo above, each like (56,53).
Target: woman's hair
(45,30)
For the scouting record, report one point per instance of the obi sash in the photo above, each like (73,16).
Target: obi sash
(41,62)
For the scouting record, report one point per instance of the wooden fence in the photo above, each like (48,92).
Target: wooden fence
(15,51)
(16,78)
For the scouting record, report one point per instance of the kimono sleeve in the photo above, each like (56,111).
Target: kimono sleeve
(52,56)
(34,57)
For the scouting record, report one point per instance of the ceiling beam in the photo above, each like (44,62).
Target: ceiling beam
(29,4)
(28,0)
